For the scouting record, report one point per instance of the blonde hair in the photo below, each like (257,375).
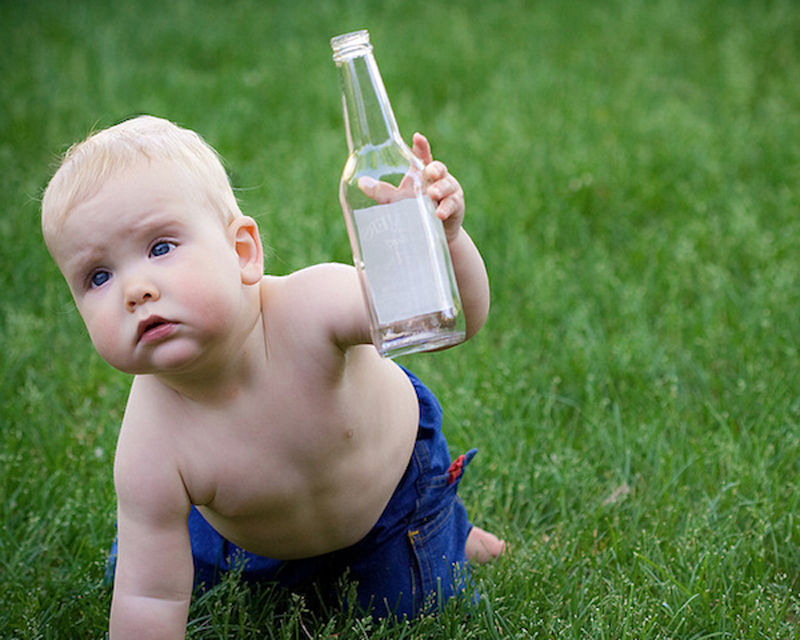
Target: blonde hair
(88,164)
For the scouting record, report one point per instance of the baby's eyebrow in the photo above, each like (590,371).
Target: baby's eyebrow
(153,223)
(86,257)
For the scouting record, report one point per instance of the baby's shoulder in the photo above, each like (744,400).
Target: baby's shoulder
(150,417)
(319,298)
(146,465)
(315,282)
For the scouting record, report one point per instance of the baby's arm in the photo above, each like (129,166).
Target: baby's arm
(332,293)
(154,573)
(446,192)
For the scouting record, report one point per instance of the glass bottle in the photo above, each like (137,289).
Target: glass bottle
(398,242)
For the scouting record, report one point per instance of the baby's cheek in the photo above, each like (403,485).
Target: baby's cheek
(108,343)
(216,304)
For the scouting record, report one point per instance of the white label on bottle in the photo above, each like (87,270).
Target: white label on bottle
(405,270)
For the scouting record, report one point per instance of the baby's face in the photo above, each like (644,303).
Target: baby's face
(152,270)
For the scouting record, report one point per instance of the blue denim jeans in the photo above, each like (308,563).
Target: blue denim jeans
(412,560)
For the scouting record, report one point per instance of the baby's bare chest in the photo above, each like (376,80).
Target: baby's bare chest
(278,445)
(299,468)
(294,439)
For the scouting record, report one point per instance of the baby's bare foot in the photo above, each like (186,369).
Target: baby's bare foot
(482,546)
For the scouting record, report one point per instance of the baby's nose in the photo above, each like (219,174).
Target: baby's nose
(138,293)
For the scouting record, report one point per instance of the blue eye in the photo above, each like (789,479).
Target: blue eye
(99,278)
(161,248)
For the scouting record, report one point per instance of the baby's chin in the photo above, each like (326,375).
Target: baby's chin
(172,361)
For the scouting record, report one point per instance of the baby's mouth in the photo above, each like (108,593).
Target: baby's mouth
(153,328)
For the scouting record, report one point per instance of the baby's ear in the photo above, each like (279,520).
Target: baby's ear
(243,232)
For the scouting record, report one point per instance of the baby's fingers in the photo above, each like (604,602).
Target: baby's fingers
(380,192)
(440,182)
(422,148)
(449,198)
(451,207)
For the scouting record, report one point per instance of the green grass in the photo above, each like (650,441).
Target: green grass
(632,172)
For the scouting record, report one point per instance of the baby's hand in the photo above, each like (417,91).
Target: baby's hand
(441,187)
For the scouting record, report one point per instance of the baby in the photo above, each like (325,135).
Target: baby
(263,432)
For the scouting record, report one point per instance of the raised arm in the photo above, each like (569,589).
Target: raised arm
(470,271)
(154,573)
(329,296)
(473,282)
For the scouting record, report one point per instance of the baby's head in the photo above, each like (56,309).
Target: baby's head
(145,228)
(103,155)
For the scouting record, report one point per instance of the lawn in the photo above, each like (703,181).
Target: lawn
(632,173)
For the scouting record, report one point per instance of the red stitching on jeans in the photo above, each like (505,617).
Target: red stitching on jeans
(455,469)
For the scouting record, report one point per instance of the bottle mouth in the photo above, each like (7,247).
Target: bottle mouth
(350,45)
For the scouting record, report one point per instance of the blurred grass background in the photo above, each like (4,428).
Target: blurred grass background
(631,171)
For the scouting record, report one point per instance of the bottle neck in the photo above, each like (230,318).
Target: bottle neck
(368,115)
